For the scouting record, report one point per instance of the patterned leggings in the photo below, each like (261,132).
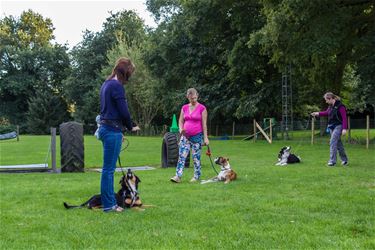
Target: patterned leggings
(184,148)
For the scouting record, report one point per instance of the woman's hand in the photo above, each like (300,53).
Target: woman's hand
(206,141)
(136,128)
(315,114)
(343,132)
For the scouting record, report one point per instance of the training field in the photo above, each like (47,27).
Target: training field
(301,206)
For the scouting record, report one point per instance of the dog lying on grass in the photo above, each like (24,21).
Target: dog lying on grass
(126,197)
(286,157)
(226,174)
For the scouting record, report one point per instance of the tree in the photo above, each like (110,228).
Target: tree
(203,44)
(318,38)
(89,59)
(142,91)
(46,110)
(29,63)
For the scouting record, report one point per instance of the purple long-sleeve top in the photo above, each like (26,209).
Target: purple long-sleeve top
(342,111)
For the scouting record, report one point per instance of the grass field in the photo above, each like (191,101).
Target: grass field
(301,206)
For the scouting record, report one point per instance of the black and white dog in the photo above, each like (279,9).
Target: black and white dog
(286,157)
(126,197)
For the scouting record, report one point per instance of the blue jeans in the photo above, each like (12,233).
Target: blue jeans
(111,150)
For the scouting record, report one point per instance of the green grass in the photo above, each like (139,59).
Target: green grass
(301,206)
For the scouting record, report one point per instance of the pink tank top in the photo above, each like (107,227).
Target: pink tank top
(193,121)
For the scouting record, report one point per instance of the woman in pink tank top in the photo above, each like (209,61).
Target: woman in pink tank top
(193,129)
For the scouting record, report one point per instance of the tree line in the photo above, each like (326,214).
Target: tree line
(233,51)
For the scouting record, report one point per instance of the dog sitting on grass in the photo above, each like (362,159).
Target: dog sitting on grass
(226,174)
(126,197)
(286,157)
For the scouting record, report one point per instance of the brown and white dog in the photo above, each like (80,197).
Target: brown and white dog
(226,174)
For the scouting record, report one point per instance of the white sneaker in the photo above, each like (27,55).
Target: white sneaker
(176,179)
(194,179)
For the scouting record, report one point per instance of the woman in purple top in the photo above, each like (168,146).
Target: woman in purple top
(193,129)
(114,117)
(338,125)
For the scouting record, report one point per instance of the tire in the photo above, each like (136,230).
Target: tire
(72,148)
(169,151)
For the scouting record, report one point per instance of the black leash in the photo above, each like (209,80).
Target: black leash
(133,193)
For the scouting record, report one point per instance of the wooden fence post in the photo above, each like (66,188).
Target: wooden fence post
(367,131)
(217,129)
(53,149)
(349,131)
(271,130)
(312,129)
(255,130)
(233,129)
(18,132)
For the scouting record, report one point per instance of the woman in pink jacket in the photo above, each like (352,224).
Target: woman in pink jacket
(193,129)
(338,125)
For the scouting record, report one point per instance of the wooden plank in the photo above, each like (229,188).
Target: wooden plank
(263,133)
(26,166)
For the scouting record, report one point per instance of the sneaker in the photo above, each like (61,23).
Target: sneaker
(194,179)
(176,179)
(116,209)
(330,164)
(344,163)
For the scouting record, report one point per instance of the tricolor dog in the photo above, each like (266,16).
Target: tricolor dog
(286,157)
(226,174)
(126,197)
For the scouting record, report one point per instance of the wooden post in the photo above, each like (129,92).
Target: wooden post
(271,130)
(233,129)
(53,149)
(312,129)
(367,131)
(349,131)
(255,130)
(18,132)
(217,129)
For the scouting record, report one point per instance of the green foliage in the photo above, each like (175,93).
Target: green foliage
(30,63)
(318,38)
(142,90)
(46,110)
(204,45)
(5,126)
(90,57)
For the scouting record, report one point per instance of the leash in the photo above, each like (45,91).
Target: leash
(132,192)
(208,153)
(304,129)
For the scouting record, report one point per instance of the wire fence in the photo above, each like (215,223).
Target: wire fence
(360,131)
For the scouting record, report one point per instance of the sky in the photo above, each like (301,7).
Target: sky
(70,18)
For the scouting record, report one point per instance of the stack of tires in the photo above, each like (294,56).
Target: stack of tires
(169,151)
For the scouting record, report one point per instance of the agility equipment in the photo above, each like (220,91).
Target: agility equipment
(8,136)
(72,148)
(42,167)
(174,127)
(169,148)
(262,131)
